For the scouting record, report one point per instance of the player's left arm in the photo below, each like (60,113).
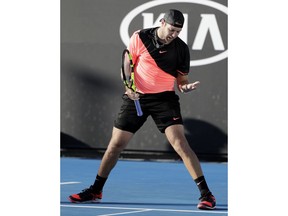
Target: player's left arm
(183,84)
(183,69)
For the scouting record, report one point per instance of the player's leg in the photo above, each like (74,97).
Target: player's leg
(118,142)
(175,135)
(125,125)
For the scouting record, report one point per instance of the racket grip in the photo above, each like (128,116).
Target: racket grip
(138,108)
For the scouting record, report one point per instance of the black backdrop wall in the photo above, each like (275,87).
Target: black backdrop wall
(93,35)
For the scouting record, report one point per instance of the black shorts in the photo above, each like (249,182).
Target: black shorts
(164,109)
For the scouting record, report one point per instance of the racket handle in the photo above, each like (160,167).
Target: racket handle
(138,108)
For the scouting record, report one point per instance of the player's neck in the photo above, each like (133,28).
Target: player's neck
(159,36)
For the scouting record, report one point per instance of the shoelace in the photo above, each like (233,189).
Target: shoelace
(207,196)
(86,191)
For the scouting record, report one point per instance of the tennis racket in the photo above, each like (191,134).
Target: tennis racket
(128,77)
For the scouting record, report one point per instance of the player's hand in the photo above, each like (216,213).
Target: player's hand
(131,94)
(188,87)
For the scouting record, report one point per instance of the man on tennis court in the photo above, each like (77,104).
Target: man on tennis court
(161,58)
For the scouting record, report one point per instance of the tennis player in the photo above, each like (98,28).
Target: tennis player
(161,58)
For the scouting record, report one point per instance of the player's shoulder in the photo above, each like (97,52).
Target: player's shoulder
(147,31)
(181,45)
(137,31)
(135,35)
(180,42)
(143,33)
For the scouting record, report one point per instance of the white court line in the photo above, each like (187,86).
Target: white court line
(64,183)
(142,209)
(131,212)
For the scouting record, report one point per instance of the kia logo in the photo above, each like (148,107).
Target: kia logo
(205,27)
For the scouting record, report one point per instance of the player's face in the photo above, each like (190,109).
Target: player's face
(170,32)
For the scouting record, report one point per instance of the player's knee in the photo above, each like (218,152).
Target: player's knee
(181,147)
(117,146)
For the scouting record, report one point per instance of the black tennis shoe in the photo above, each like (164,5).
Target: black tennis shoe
(87,195)
(207,202)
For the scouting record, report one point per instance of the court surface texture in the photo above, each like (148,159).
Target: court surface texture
(142,188)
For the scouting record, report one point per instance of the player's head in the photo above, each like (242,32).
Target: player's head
(174,18)
(171,25)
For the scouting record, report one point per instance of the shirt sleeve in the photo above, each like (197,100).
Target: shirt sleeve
(184,61)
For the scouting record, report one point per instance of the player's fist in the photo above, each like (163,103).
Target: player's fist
(131,94)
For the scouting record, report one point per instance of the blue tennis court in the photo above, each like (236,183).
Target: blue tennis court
(142,188)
